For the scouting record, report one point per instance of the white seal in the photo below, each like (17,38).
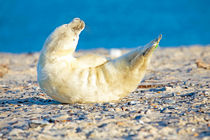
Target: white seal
(89,78)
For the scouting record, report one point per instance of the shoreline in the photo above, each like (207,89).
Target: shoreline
(170,103)
(106,49)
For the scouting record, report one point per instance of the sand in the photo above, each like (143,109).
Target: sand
(172,102)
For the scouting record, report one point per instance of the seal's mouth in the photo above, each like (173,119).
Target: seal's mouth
(77,24)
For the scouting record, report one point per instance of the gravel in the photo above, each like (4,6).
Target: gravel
(175,105)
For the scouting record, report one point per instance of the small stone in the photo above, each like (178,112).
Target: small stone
(178,93)
(16,131)
(120,123)
(132,103)
(78,130)
(171,107)
(60,117)
(138,117)
(163,110)
(169,88)
(195,134)
(169,101)
(118,109)
(155,106)
(188,94)
(36,123)
(141,122)
(123,108)
(111,109)
(102,125)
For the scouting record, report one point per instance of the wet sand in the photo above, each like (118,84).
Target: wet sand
(172,102)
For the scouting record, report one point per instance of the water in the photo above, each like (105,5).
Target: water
(24,25)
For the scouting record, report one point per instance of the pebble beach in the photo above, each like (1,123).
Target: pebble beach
(172,102)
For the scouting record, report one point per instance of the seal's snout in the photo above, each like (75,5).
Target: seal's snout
(77,24)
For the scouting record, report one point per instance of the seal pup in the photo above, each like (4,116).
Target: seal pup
(91,78)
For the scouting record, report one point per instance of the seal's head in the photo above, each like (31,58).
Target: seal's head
(63,40)
(76,25)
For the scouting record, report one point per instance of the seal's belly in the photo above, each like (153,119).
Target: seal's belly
(82,85)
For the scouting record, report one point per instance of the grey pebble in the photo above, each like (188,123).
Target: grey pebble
(36,123)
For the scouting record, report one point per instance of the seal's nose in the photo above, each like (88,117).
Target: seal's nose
(77,25)
(76,19)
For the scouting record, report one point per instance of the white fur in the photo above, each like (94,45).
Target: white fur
(89,78)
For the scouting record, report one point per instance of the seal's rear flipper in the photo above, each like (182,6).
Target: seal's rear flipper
(137,57)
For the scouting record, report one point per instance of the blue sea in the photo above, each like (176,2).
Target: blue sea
(25,24)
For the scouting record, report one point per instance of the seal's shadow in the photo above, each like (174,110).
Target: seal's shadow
(29,101)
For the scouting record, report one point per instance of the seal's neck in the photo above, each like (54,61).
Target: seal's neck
(62,42)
